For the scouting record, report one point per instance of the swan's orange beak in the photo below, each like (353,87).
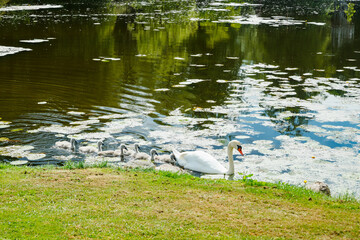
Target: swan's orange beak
(240,150)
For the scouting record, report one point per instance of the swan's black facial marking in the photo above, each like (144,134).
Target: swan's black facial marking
(239,148)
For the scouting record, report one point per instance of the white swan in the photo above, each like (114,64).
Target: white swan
(203,162)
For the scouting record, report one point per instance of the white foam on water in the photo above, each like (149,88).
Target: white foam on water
(60,129)
(34,40)
(5,50)
(16,151)
(28,7)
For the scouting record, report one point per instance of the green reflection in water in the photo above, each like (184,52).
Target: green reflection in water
(193,74)
(160,46)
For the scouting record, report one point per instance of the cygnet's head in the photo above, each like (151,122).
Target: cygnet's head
(122,147)
(172,157)
(100,145)
(153,152)
(74,144)
(137,147)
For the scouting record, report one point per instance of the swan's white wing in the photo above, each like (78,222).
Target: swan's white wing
(201,162)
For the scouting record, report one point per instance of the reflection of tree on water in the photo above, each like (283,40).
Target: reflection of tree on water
(341,30)
(293,8)
(294,116)
(3,2)
(125,45)
(288,125)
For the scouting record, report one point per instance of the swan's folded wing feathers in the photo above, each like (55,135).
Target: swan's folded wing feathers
(202,162)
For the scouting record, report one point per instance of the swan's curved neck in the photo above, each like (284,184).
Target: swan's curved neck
(231,160)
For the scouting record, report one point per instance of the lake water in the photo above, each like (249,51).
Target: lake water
(285,81)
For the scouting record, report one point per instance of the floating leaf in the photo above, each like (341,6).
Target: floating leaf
(4,139)
(17,130)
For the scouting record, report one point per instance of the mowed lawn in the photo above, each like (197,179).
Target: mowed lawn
(108,203)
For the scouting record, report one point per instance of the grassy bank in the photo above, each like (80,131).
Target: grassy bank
(106,203)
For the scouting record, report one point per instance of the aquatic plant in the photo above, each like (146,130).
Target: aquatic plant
(350,11)
(3,2)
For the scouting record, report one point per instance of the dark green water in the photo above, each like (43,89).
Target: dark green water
(190,75)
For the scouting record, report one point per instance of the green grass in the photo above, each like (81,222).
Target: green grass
(80,165)
(84,202)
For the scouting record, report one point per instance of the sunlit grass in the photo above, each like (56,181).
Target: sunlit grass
(82,202)
(81,165)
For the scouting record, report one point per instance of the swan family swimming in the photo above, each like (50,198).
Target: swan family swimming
(198,161)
